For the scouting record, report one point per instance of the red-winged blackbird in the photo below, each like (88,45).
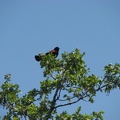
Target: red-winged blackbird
(55,52)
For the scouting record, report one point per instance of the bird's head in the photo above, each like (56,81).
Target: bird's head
(56,48)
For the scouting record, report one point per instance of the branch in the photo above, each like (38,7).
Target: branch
(67,100)
(81,98)
(53,77)
(59,95)
(52,107)
(70,103)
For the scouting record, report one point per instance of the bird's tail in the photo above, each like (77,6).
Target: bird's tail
(37,58)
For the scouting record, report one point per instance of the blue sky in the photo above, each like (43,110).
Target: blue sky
(29,27)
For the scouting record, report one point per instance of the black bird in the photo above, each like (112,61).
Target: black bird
(55,52)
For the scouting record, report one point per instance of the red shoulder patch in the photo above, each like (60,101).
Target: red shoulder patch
(52,51)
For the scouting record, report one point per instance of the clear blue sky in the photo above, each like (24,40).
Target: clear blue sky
(28,27)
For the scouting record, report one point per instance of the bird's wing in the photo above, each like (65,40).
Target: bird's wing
(52,51)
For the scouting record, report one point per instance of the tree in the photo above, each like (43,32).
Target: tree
(67,81)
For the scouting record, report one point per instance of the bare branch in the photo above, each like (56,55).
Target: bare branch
(70,103)
(53,77)
(52,107)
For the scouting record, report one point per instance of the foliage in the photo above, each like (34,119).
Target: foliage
(67,81)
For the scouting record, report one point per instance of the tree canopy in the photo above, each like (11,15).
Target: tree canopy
(67,81)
